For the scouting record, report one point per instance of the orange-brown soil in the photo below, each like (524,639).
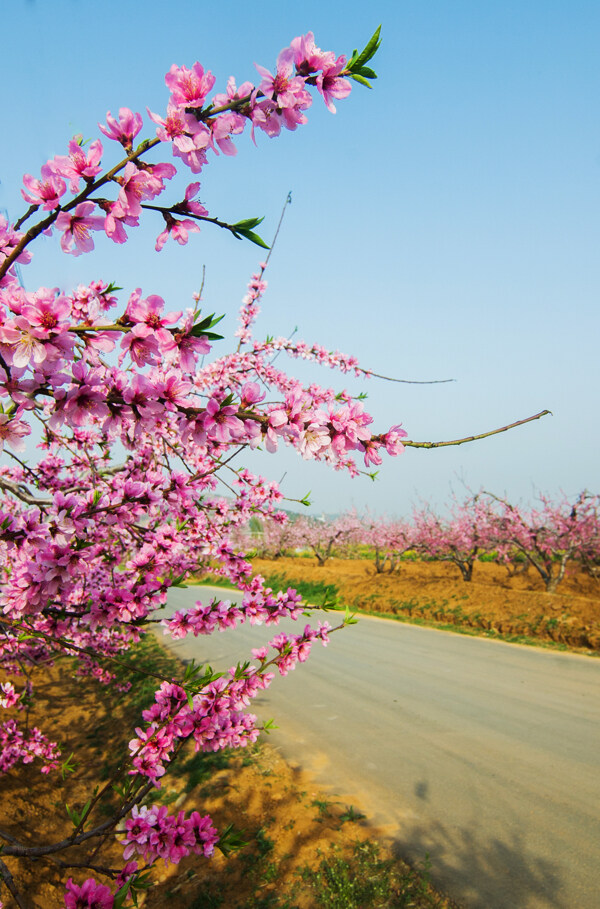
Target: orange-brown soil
(491,603)
(286,822)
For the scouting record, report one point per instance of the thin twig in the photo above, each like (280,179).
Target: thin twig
(376,375)
(31,851)
(9,881)
(482,435)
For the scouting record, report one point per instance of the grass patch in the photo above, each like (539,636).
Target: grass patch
(314,592)
(210,580)
(366,881)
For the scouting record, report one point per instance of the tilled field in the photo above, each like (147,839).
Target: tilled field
(434,592)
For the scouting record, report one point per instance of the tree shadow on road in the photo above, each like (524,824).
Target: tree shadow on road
(484,873)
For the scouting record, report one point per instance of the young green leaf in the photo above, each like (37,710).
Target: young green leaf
(248,224)
(350,617)
(250,235)
(231,840)
(361,79)
(370,50)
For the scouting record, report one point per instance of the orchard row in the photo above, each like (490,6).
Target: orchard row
(546,537)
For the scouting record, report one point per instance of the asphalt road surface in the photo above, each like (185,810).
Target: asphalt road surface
(483,755)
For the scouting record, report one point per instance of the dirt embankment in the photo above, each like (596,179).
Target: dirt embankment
(492,602)
(289,826)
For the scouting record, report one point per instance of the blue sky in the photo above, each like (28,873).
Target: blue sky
(443,225)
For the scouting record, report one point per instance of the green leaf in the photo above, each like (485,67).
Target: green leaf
(254,238)
(353,59)
(370,50)
(74,817)
(306,500)
(366,71)
(241,670)
(140,881)
(121,895)
(248,224)
(123,790)
(199,332)
(361,79)
(201,328)
(350,617)
(231,840)
(68,766)
(209,321)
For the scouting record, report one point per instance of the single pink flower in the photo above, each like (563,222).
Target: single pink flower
(78,163)
(192,149)
(314,440)
(149,311)
(137,185)
(178,230)
(24,344)
(220,423)
(190,346)
(89,895)
(331,85)
(189,205)
(45,192)
(189,87)
(309,58)
(123,130)
(141,345)
(371,453)
(8,695)
(77,225)
(223,128)
(392,440)
(45,310)
(115,221)
(244,92)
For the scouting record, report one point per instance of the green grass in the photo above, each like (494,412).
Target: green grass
(211,580)
(367,881)
(314,592)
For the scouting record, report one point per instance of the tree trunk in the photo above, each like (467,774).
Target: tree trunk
(466,569)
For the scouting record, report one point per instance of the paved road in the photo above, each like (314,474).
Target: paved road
(484,755)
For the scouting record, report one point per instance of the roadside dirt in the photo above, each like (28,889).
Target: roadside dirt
(287,823)
(434,592)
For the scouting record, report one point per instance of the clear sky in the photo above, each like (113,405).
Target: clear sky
(443,225)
